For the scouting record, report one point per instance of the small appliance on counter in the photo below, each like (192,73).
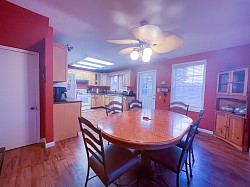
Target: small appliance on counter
(130,93)
(60,94)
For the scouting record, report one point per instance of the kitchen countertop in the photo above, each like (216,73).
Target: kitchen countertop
(68,101)
(112,94)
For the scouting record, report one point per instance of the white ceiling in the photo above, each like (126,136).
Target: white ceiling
(204,25)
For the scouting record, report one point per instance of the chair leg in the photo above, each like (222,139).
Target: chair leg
(190,167)
(177,180)
(187,172)
(87,177)
(192,151)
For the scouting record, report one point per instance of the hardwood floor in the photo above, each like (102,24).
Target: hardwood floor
(217,164)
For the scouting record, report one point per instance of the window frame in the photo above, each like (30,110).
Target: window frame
(188,64)
(118,82)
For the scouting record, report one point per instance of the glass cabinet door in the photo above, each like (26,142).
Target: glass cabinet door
(239,81)
(223,82)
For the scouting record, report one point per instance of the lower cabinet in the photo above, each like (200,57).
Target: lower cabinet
(233,129)
(65,120)
(126,101)
(97,100)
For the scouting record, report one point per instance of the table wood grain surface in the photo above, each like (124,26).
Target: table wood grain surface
(129,129)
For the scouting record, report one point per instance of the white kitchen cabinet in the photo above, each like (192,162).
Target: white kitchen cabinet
(60,63)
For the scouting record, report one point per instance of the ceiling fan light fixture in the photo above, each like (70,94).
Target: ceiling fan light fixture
(147,51)
(134,55)
(145,58)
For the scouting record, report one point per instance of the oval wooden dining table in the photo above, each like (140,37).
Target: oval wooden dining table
(131,129)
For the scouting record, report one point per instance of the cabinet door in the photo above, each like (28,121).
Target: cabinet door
(103,79)
(100,100)
(235,130)
(221,125)
(59,63)
(239,81)
(93,101)
(223,82)
(126,80)
(91,79)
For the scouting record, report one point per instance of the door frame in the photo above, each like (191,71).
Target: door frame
(138,78)
(37,95)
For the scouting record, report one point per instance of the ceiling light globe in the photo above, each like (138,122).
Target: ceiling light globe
(134,55)
(145,58)
(147,51)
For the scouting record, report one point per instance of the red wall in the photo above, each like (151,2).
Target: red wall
(219,60)
(21,28)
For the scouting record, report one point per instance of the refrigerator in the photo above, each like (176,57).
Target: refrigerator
(70,86)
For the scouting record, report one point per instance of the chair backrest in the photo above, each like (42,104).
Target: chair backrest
(93,141)
(2,150)
(189,140)
(114,107)
(179,107)
(135,104)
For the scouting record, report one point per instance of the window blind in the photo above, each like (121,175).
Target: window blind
(188,83)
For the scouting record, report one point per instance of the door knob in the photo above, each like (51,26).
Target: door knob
(33,108)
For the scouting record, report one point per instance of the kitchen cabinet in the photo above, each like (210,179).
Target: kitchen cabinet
(60,63)
(232,129)
(126,101)
(97,100)
(92,79)
(233,82)
(65,120)
(129,78)
(103,79)
(108,99)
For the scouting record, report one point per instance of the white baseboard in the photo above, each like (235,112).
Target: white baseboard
(50,144)
(205,131)
(47,145)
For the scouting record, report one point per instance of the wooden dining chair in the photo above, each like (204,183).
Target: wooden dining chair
(113,107)
(191,150)
(2,150)
(173,158)
(178,107)
(109,162)
(135,104)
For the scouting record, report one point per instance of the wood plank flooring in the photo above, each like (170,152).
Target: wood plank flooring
(217,164)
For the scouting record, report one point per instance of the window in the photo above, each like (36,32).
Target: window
(188,84)
(117,83)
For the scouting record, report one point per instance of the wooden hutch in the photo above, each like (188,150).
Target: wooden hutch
(233,108)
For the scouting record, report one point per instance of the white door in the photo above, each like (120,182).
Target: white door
(146,88)
(19,98)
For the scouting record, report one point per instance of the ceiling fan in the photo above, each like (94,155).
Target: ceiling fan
(150,40)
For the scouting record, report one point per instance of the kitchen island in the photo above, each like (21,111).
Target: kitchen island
(65,119)
(102,99)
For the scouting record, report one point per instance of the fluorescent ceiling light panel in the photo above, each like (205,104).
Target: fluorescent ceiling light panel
(90,64)
(80,66)
(99,61)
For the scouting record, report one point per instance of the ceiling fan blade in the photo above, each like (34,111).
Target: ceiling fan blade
(123,41)
(149,33)
(127,50)
(172,42)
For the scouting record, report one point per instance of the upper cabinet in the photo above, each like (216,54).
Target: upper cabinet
(127,78)
(60,63)
(103,81)
(233,82)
